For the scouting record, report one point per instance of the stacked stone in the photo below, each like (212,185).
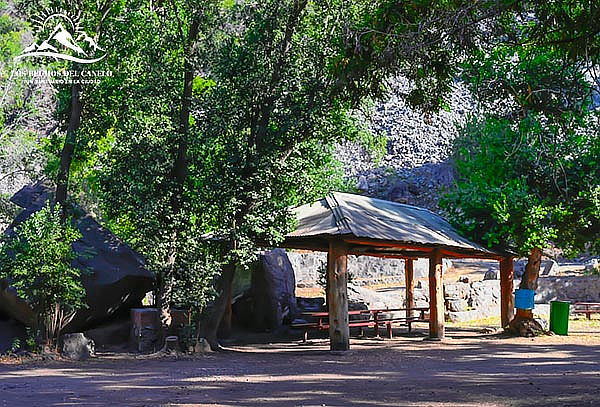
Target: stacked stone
(416,164)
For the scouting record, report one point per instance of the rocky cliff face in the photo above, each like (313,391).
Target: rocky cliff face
(415,167)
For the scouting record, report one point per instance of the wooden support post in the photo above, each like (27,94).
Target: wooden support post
(337,296)
(436,296)
(410,288)
(507,300)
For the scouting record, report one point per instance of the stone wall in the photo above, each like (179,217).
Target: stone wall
(469,301)
(481,299)
(568,288)
(466,301)
(364,270)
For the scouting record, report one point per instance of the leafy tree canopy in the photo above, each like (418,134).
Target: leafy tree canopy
(528,184)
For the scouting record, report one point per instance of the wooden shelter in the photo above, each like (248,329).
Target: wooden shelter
(347,224)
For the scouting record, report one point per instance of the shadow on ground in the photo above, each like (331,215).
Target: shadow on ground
(468,370)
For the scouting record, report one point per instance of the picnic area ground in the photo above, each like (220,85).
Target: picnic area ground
(470,369)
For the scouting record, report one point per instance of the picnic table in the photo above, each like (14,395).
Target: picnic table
(372,318)
(587,308)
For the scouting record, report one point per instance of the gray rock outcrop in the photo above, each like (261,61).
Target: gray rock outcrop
(76,346)
(273,290)
(364,270)
(415,164)
(568,288)
(491,274)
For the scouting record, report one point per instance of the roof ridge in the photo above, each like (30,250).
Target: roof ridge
(341,221)
(420,208)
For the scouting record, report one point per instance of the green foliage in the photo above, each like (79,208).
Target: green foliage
(37,262)
(569,27)
(423,41)
(20,156)
(193,282)
(528,184)
(266,116)
(271,121)
(15,346)
(10,36)
(427,41)
(129,142)
(188,336)
(528,173)
(535,79)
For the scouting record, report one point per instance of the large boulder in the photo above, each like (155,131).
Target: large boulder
(593,266)
(114,276)
(13,306)
(112,333)
(273,290)
(457,290)
(373,299)
(76,346)
(491,274)
(362,184)
(457,304)
(484,294)
(12,334)
(399,192)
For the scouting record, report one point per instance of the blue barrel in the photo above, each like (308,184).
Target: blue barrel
(524,299)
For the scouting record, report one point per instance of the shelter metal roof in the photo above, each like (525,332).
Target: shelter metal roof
(379,228)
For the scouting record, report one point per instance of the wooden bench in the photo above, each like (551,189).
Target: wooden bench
(375,318)
(587,308)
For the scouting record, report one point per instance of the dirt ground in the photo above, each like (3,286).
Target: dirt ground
(470,369)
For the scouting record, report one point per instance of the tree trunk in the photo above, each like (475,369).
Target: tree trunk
(257,136)
(532,270)
(213,322)
(179,174)
(523,323)
(165,288)
(225,326)
(66,156)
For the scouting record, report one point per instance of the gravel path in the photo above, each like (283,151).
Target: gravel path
(469,370)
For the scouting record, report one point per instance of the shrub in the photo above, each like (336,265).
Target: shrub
(36,260)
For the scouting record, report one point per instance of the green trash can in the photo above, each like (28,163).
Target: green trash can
(559,317)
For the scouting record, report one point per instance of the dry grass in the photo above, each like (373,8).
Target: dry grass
(477,323)
(581,330)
